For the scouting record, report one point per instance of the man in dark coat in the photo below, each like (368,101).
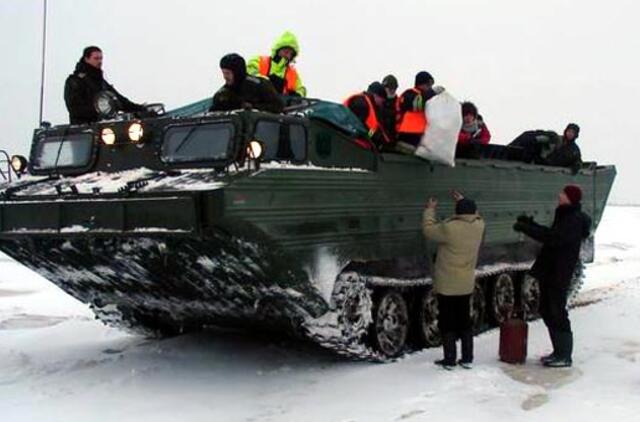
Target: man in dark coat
(555,266)
(242,91)
(567,154)
(82,87)
(411,119)
(368,108)
(390,84)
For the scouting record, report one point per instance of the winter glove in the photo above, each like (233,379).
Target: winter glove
(438,89)
(523,218)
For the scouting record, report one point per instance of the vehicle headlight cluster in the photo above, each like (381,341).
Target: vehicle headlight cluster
(19,164)
(135,133)
(108,136)
(255,149)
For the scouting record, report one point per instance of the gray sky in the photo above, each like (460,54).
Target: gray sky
(526,65)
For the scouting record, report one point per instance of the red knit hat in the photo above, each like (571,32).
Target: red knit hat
(574,193)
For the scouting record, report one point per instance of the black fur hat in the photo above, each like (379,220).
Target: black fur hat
(235,63)
(575,128)
(424,77)
(466,206)
(377,89)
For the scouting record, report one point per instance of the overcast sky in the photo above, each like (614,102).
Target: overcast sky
(526,64)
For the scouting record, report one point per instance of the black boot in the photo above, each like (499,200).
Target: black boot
(449,348)
(554,343)
(564,341)
(466,338)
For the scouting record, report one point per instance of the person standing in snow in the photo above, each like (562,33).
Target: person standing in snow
(279,68)
(367,106)
(473,130)
(241,91)
(83,86)
(555,267)
(411,119)
(458,239)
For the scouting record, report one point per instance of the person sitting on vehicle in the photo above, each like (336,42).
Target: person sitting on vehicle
(241,91)
(83,87)
(533,146)
(367,106)
(567,154)
(411,119)
(390,84)
(473,130)
(278,67)
(458,239)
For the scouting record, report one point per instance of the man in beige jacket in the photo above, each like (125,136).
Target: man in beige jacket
(458,239)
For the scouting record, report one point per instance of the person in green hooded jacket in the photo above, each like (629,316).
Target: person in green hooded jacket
(278,67)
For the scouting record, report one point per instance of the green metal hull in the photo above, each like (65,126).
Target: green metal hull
(161,247)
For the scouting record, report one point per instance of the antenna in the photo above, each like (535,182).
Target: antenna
(44,49)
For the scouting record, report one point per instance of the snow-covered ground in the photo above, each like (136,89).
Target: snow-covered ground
(58,364)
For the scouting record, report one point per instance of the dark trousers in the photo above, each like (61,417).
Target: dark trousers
(454,322)
(553,310)
(410,138)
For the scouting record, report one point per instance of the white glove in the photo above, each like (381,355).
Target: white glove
(438,89)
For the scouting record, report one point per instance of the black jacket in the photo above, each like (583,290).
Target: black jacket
(566,155)
(80,90)
(254,92)
(561,242)
(389,116)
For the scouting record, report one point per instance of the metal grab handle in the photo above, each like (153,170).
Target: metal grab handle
(7,159)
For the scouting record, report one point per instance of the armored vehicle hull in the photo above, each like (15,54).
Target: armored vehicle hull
(317,237)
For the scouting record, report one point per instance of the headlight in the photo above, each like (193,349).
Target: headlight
(19,164)
(135,132)
(108,136)
(255,149)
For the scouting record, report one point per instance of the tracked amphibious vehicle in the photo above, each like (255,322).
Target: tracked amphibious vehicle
(250,219)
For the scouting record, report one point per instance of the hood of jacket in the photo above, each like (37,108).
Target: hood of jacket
(236,64)
(286,40)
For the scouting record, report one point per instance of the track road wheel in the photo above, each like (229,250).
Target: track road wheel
(390,323)
(478,308)
(353,300)
(502,299)
(530,297)
(427,320)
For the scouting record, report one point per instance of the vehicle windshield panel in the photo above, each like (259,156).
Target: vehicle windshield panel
(281,141)
(268,133)
(298,137)
(64,151)
(190,143)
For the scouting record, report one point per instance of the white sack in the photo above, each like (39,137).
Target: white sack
(445,120)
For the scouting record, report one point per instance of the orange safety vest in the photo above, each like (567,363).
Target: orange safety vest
(371,123)
(290,74)
(411,121)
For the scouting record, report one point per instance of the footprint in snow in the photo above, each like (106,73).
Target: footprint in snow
(410,414)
